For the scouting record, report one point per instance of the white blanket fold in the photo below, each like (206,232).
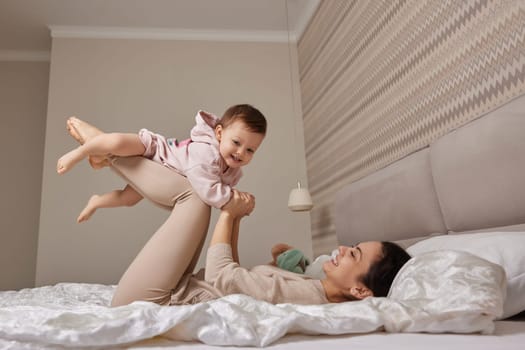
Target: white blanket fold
(436,292)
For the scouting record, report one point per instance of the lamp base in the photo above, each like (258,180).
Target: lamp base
(300,200)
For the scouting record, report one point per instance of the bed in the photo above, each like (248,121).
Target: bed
(460,196)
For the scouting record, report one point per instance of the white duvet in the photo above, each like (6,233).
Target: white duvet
(444,291)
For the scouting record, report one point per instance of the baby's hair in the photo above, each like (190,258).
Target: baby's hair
(253,119)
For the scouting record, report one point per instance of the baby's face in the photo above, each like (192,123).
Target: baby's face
(237,144)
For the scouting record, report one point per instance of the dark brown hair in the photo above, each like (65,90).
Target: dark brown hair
(252,118)
(382,271)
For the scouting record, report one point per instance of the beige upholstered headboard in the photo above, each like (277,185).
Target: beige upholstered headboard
(471,179)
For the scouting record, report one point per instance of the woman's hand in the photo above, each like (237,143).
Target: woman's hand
(240,204)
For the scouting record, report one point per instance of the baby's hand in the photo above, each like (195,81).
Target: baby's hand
(278,249)
(250,198)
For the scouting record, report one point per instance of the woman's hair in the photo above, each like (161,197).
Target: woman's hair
(382,272)
(249,115)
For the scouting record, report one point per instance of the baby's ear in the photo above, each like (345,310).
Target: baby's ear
(218,132)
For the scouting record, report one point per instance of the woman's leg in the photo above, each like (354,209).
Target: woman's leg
(152,180)
(160,188)
(175,248)
(161,263)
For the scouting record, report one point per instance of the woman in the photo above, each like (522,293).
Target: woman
(366,269)
(161,272)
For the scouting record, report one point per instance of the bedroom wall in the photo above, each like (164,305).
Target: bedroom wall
(382,79)
(124,85)
(23,101)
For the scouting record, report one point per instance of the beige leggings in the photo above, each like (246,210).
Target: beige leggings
(175,248)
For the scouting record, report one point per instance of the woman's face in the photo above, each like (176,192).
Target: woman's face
(352,263)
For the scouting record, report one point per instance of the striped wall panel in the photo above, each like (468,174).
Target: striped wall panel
(382,79)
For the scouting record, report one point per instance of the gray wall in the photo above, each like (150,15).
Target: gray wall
(378,83)
(23,100)
(123,85)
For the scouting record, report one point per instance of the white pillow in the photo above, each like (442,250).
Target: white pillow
(447,291)
(503,248)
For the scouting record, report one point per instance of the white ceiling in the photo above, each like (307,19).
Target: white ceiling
(24,24)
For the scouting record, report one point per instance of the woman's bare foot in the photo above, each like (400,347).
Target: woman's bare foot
(81,130)
(68,160)
(91,207)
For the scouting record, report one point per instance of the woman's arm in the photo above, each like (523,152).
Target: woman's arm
(223,243)
(227,227)
(223,231)
(227,231)
(235,239)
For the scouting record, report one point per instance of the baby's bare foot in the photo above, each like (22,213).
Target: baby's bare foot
(73,131)
(81,130)
(91,207)
(68,160)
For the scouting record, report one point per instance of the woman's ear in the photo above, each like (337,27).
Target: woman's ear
(218,132)
(361,292)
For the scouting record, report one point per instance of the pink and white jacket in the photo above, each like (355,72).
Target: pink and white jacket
(197,158)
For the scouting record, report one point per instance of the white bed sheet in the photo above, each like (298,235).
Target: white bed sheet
(509,335)
(77,316)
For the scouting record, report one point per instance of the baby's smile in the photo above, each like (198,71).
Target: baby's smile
(236,158)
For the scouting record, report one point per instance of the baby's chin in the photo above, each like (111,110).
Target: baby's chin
(233,164)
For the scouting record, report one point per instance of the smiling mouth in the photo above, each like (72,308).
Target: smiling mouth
(236,159)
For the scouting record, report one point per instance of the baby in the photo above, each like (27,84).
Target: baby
(211,158)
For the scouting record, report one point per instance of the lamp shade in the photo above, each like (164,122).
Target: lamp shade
(300,199)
